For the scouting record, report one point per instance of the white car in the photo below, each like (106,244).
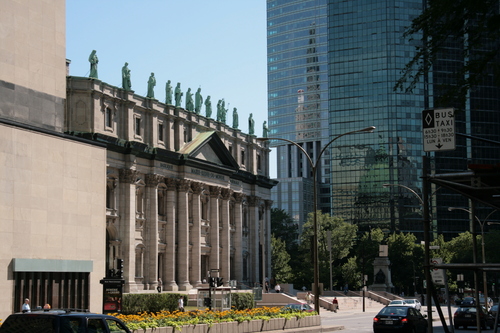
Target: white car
(414,303)
(397,302)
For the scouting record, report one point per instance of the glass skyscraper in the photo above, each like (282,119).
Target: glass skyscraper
(332,67)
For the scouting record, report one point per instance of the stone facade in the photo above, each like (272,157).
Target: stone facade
(185,194)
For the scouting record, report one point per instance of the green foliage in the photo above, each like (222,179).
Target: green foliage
(351,273)
(342,240)
(284,227)
(445,21)
(405,258)
(282,272)
(135,303)
(242,301)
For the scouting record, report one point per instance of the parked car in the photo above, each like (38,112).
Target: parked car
(62,321)
(466,316)
(468,301)
(299,307)
(414,303)
(396,302)
(493,310)
(399,319)
(481,301)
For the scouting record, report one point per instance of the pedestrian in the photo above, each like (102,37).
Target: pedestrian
(26,305)
(335,303)
(159,285)
(181,303)
(46,307)
(277,288)
(309,298)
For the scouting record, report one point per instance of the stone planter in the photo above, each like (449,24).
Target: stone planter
(243,327)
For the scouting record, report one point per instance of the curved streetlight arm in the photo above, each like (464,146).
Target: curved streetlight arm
(293,143)
(409,189)
(468,211)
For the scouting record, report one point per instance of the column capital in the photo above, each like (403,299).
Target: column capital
(171,184)
(238,197)
(152,180)
(183,185)
(226,193)
(215,191)
(128,175)
(197,187)
(268,203)
(253,200)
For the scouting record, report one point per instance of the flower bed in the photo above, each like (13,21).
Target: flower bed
(250,320)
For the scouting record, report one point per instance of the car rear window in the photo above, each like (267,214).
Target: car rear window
(29,323)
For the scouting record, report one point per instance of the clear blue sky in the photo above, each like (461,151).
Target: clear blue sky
(218,45)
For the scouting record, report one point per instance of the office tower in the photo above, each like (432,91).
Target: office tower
(298,105)
(366,52)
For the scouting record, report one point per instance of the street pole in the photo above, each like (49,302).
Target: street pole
(313,166)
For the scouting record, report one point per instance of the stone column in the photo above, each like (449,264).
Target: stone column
(170,134)
(214,227)
(195,234)
(127,226)
(253,226)
(151,231)
(267,236)
(183,235)
(238,236)
(225,241)
(170,264)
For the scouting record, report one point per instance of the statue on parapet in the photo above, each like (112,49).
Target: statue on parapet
(265,131)
(208,107)
(251,125)
(168,93)
(189,100)
(223,111)
(219,112)
(198,101)
(93,64)
(178,95)
(151,86)
(126,83)
(235,118)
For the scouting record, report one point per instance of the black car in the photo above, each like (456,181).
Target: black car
(399,319)
(466,316)
(62,321)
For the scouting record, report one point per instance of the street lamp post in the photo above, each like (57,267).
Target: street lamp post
(481,224)
(427,254)
(313,166)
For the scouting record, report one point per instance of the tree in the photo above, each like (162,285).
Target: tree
(342,238)
(474,25)
(367,249)
(282,272)
(405,260)
(351,273)
(284,227)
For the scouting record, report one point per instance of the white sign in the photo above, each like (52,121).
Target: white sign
(438,129)
(437,273)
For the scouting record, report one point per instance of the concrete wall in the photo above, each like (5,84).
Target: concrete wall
(52,205)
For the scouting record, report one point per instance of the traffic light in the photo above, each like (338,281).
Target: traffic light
(119,268)
(219,282)
(211,281)
(207,301)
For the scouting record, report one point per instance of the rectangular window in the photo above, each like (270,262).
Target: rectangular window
(138,126)
(108,117)
(258,162)
(242,157)
(160,132)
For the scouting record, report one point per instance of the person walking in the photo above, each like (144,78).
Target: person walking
(181,303)
(26,305)
(335,303)
(277,288)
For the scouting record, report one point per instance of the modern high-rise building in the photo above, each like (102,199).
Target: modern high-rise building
(332,68)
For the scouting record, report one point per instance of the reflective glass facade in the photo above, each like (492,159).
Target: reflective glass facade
(365,53)
(298,101)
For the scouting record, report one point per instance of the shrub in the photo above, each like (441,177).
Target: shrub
(242,301)
(137,303)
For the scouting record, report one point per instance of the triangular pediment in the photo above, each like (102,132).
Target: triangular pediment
(208,148)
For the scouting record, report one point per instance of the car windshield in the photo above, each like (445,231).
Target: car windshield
(394,310)
(467,309)
(396,302)
(410,301)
